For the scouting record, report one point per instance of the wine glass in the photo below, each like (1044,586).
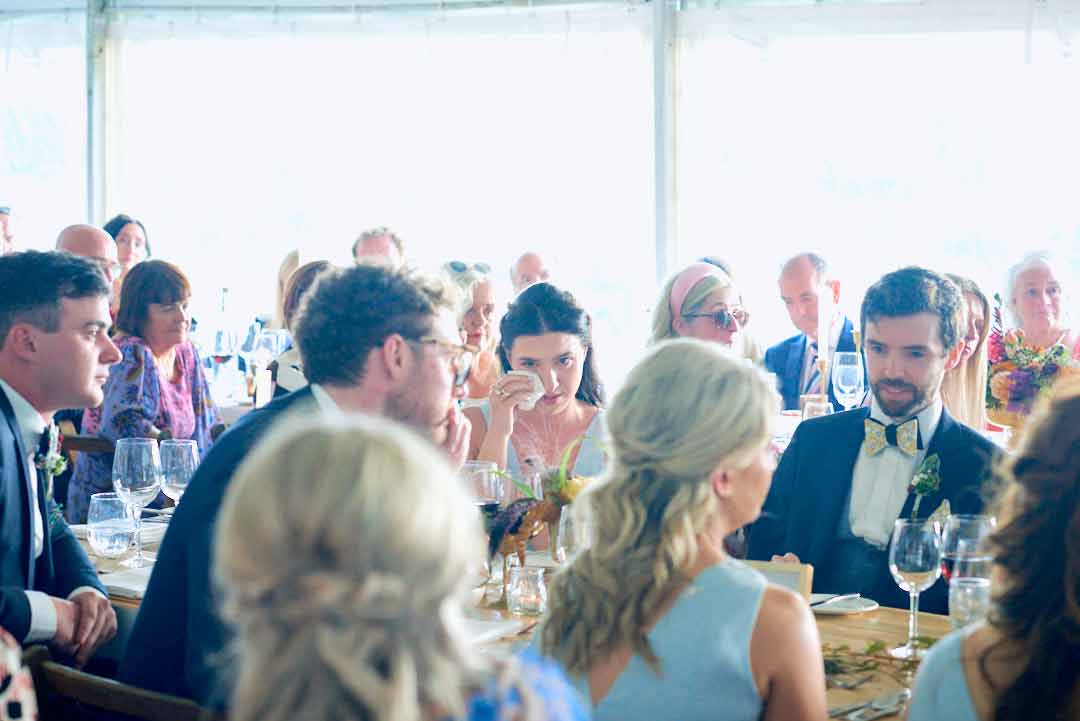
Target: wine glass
(269,344)
(223,347)
(915,564)
(179,459)
(486,487)
(847,378)
(137,480)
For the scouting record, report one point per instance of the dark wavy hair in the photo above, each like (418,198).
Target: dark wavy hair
(543,308)
(114,226)
(1037,549)
(914,290)
(33,283)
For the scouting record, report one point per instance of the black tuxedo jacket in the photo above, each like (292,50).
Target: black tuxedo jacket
(785,360)
(177,643)
(62,566)
(811,486)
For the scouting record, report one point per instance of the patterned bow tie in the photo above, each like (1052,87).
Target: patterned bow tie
(904,436)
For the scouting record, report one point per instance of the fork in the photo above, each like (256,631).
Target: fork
(851,685)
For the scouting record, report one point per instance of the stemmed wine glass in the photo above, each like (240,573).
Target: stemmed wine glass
(179,459)
(915,563)
(847,378)
(137,480)
(222,349)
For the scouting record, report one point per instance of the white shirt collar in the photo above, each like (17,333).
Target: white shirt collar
(929,417)
(30,422)
(323,400)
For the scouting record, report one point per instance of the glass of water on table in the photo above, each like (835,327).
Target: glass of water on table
(965,564)
(109,528)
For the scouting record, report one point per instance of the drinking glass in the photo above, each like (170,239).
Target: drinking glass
(109,528)
(915,564)
(269,344)
(816,408)
(223,347)
(137,480)
(969,601)
(179,459)
(526,594)
(485,484)
(964,553)
(847,378)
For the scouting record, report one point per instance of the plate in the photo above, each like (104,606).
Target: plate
(843,608)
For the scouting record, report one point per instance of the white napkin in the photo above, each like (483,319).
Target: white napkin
(128,584)
(479,630)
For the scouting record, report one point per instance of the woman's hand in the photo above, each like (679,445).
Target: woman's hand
(506,393)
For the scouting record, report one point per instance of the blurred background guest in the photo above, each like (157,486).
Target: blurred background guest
(379,244)
(1037,296)
(526,270)
(701,301)
(288,266)
(805,284)
(7,232)
(157,386)
(546,333)
(477,322)
(964,387)
(1026,657)
(322,626)
(633,619)
(287,370)
(88,241)
(132,247)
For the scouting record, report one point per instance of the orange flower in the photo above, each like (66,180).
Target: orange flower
(1003,367)
(999,386)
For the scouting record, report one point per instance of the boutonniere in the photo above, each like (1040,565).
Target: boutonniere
(48,457)
(927,480)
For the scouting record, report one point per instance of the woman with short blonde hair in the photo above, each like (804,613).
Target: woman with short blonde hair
(478,322)
(653,619)
(344,548)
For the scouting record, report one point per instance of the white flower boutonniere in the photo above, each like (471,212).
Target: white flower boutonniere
(927,481)
(48,457)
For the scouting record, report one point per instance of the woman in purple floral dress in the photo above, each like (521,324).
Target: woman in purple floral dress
(158,387)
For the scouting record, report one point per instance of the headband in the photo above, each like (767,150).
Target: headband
(687,278)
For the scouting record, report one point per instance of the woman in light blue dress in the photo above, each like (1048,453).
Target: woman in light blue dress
(654,620)
(547,334)
(1023,663)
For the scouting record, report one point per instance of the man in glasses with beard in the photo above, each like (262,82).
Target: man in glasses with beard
(846,478)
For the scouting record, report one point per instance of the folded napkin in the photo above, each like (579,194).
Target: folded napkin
(129,583)
(152,532)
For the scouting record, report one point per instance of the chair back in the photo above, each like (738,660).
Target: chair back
(87,444)
(64,693)
(799,577)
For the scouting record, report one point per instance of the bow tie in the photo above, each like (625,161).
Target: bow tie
(904,436)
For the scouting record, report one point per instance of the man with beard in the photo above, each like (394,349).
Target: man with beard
(372,339)
(845,479)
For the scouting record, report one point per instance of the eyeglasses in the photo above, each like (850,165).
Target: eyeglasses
(461,356)
(724,318)
(110,267)
(459,267)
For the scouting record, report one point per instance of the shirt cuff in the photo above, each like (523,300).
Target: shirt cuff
(42,618)
(86,589)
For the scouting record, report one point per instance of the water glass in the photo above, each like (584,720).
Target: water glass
(847,378)
(969,601)
(179,459)
(484,481)
(816,409)
(526,593)
(109,528)
(915,564)
(137,480)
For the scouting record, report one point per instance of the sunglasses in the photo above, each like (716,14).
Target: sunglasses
(461,356)
(724,318)
(459,267)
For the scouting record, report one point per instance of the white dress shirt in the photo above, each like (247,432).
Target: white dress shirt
(879,483)
(32,425)
(323,400)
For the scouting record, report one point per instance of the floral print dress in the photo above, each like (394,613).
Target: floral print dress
(17,699)
(138,398)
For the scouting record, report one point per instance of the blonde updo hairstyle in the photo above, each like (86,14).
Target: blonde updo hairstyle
(663,323)
(466,282)
(343,550)
(688,408)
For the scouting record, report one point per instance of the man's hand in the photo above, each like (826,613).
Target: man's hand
(67,620)
(456,444)
(786,558)
(96,625)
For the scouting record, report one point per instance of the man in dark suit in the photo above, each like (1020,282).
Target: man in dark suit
(845,479)
(372,339)
(804,283)
(55,353)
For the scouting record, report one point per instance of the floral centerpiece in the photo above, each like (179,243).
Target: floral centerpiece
(1019,372)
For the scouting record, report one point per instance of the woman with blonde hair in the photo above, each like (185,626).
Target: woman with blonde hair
(701,301)
(653,620)
(476,319)
(963,389)
(345,590)
(1026,657)
(288,266)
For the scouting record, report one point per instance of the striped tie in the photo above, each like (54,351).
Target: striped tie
(813,383)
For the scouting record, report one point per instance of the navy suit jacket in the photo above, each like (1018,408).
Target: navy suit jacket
(177,643)
(785,359)
(62,566)
(811,486)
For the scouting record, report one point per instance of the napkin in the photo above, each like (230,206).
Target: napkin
(128,584)
(479,630)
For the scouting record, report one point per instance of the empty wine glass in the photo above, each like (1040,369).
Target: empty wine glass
(915,564)
(109,528)
(269,344)
(179,459)
(847,378)
(137,480)
(223,347)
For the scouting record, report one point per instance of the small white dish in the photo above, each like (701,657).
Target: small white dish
(841,608)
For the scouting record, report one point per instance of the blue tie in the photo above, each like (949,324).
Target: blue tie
(813,384)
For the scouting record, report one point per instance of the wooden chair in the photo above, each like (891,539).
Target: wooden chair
(86,444)
(799,577)
(64,693)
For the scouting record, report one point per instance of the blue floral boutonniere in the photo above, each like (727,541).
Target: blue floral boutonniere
(927,481)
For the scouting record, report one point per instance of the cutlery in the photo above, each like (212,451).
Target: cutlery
(886,701)
(881,707)
(844,597)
